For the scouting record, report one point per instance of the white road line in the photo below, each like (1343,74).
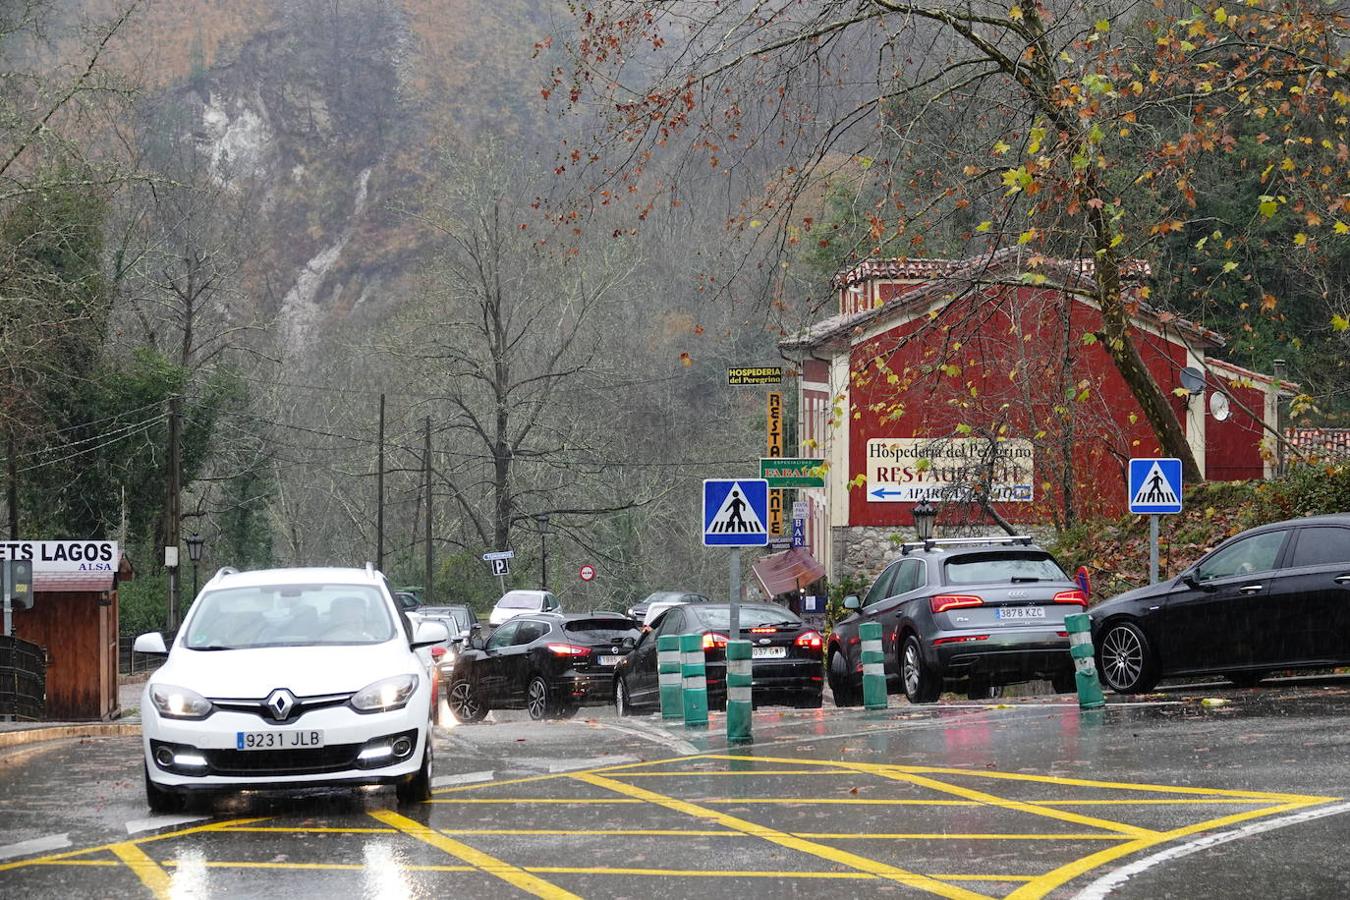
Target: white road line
(652,733)
(135,826)
(1112,880)
(463,778)
(36,845)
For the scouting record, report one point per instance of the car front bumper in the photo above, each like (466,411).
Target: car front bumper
(205,754)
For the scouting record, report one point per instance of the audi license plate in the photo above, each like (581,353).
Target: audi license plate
(278,740)
(1021,612)
(610,660)
(768,652)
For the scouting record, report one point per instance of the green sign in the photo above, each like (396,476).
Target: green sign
(792,473)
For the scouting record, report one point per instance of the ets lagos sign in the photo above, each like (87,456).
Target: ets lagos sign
(907,470)
(55,557)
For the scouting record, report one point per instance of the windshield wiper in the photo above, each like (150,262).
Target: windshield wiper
(1023,579)
(211,647)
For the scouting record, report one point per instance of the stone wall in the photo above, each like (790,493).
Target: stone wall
(866,549)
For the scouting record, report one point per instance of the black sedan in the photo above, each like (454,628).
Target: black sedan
(984,611)
(549,664)
(786,656)
(1273,598)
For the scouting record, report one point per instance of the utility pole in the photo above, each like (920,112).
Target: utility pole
(1281,415)
(172,512)
(13,486)
(379,497)
(426,477)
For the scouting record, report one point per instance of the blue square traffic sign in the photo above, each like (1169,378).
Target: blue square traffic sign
(735,511)
(1155,486)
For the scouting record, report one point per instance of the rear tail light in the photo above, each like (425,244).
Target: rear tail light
(810,640)
(960,639)
(1074,596)
(568,650)
(714,641)
(944,602)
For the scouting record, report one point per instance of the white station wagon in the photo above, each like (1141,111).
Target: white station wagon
(289,678)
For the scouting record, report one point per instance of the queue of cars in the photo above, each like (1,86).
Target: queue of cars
(293,678)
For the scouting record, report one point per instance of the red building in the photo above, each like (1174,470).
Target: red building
(950,379)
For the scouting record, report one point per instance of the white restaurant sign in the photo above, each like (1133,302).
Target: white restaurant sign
(907,470)
(59,557)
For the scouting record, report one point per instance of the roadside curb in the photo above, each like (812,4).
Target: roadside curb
(57,732)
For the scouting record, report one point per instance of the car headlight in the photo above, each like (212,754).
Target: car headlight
(391,693)
(179,703)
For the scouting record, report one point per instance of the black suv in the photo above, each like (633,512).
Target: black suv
(988,611)
(548,663)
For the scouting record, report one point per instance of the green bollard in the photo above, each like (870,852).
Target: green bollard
(874,670)
(1079,626)
(669,669)
(740,679)
(695,679)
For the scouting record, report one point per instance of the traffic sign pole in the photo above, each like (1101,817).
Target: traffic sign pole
(735,588)
(1153,549)
(9,608)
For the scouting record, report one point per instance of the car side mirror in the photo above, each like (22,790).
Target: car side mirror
(852,602)
(152,643)
(429,633)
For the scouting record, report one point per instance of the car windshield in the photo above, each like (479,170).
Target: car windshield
(291,615)
(519,601)
(751,616)
(601,629)
(1004,568)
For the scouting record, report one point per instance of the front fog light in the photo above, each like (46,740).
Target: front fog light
(391,693)
(179,703)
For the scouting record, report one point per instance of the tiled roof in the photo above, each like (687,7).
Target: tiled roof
(72,581)
(924,269)
(956,275)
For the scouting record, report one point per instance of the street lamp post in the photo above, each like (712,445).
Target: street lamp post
(542,520)
(194,543)
(925,515)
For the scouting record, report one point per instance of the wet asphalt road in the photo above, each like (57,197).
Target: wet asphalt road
(1166,798)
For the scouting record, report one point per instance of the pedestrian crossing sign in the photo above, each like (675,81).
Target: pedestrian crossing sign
(734,512)
(1155,486)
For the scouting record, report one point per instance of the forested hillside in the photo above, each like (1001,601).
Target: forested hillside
(541,231)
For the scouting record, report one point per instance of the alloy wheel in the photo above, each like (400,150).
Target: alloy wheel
(1122,657)
(621,704)
(537,702)
(911,670)
(464,702)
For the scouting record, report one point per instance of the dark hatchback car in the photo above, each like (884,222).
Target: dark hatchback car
(786,656)
(1273,598)
(988,611)
(548,664)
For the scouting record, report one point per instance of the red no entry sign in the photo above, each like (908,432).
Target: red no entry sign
(587,572)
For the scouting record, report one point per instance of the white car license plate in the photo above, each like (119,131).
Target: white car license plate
(609,660)
(278,740)
(768,652)
(1021,612)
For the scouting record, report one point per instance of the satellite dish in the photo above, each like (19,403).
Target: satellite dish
(1218,406)
(1192,379)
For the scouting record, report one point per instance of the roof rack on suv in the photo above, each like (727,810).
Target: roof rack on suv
(1022,539)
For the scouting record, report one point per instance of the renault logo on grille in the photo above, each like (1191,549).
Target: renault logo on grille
(280,703)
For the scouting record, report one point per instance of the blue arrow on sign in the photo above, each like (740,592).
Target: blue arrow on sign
(883,493)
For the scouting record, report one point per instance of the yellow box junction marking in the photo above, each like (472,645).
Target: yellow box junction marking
(146,869)
(490,865)
(1125,839)
(842,857)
